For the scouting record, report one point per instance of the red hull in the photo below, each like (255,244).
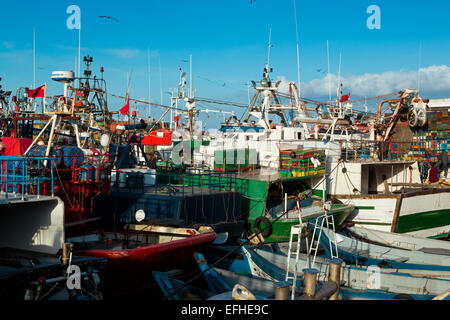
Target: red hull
(130,270)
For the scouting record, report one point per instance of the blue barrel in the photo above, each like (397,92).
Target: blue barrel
(99,173)
(87,172)
(73,156)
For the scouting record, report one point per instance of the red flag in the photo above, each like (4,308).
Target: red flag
(345,98)
(37,93)
(176,119)
(78,101)
(126,108)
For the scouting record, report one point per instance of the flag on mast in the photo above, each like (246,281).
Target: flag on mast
(38,92)
(345,98)
(126,108)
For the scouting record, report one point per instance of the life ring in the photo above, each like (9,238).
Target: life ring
(267,226)
(421,115)
(385,263)
(413,119)
(403,296)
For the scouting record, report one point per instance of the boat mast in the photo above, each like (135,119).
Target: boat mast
(149,83)
(268,55)
(34,63)
(329,83)
(298,51)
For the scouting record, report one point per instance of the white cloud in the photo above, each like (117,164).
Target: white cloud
(124,53)
(433,79)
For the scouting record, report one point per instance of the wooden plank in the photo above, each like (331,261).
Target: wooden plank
(398,206)
(161,229)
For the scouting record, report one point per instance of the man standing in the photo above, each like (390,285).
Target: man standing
(433,174)
(443,161)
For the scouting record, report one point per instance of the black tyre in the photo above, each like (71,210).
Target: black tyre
(263,226)
(403,296)
(384,263)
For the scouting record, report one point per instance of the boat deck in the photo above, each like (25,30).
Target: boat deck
(12,198)
(172,190)
(271,175)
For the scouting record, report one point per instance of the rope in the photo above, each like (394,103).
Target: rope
(348,177)
(62,185)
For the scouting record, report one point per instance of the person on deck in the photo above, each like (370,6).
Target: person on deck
(433,174)
(443,161)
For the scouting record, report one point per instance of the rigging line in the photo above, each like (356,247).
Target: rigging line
(144,102)
(221,102)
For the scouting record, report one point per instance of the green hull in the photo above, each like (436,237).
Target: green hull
(423,220)
(281,229)
(254,191)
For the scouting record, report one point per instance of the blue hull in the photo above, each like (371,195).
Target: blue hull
(346,293)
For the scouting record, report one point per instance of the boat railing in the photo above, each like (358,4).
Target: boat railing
(419,149)
(190,179)
(85,168)
(26,175)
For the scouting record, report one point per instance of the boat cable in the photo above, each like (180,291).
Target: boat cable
(62,185)
(257,233)
(348,177)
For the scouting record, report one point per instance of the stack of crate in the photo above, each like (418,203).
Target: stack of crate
(299,163)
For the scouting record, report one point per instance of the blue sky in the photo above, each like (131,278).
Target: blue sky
(228,42)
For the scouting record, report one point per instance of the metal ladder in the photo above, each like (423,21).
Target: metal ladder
(295,230)
(327,221)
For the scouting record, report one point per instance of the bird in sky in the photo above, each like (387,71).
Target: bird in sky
(108,17)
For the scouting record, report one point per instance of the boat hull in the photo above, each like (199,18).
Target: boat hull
(355,281)
(281,229)
(424,214)
(130,270)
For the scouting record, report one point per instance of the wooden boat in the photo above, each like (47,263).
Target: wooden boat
(134,253)
(361,253)
(401,241)
(265,288)
(393,199)
(220,284)
(263,201)
(354,280)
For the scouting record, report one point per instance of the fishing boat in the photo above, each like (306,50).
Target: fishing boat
(265,288)
(138,250)
(357,252)
(271,203)
(355,280)
(221,282)
(383,179)
(32,237)
(400,241)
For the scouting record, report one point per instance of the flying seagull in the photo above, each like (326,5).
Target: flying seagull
(108,17)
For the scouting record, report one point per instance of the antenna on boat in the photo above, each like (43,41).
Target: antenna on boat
(339,78)
(420,63)
(160,84)
(266,73)
(191,93)
(149,82)
(34,63)
(329,80)
(298,51)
